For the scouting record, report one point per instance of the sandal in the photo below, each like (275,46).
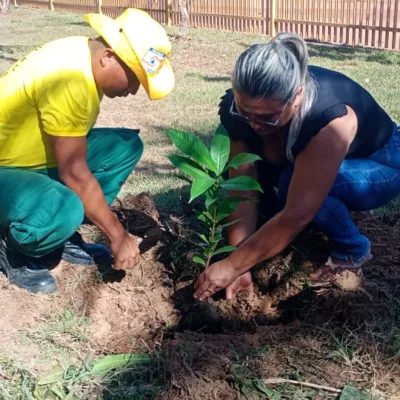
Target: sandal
(345,275)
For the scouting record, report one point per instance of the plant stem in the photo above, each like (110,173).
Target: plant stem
(214,226)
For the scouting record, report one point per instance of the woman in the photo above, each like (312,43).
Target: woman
(327,147)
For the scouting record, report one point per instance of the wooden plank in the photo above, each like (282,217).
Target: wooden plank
(354,21)
(347,30)
(265,16)
(380,23)
(384,28)
(388,14)
(324,36)
(373,22)
(299,16)
(332,16)
(368,22)
(361,21)
(272,28)
(395,17)
(341,20)
(336,37)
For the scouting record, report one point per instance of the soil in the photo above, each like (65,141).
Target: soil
(284,327)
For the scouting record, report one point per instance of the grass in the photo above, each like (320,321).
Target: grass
(59,334)
(203,65)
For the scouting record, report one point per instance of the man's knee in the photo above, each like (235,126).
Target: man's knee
(57,214)
(131,147)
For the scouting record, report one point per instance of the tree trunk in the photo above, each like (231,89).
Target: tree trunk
(183,28)
(4,6)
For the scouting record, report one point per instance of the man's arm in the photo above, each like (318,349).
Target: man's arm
(70,153)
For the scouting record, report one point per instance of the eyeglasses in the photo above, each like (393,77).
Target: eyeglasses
(258,120)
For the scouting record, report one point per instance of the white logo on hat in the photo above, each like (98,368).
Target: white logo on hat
(152,60)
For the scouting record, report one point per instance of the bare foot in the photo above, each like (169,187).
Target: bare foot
(243,282)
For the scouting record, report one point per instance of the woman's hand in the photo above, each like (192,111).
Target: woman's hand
(241,283)
(215,278)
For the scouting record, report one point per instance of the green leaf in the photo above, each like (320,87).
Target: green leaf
(192,147)
(71,396)
(270,393)
(199,186)
(222,215)
(230,223)
(351,393)
(50,395)
(88,361)
(220,149)
(210,201)
(212,248)
(228,206)
(202,218)
(55,375)
(225,249)
(242,158)
(65,361)
(203,237)
(243,182)
(199,260)
(221,130)
(208,215)
(187,166)
(59,392)
(114,361)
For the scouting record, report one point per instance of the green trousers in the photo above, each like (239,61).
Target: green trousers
(38,213)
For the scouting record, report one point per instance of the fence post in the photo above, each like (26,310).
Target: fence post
(168,12)
(51,5)
(272,17)
(99,4)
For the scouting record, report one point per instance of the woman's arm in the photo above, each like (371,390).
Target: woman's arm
(247,211)
(314,173)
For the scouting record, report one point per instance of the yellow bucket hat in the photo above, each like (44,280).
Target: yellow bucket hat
(142,44)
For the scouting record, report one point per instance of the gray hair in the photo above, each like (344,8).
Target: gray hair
(278,69)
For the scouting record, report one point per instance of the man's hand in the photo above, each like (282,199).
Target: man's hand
(126,252)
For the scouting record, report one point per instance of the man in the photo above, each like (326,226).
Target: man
(54,168)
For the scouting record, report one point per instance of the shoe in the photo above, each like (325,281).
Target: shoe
(344,275)
(26,272)
(77,251)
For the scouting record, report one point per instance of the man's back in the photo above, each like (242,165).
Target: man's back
(50,91)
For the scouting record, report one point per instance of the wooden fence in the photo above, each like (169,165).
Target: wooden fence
(372,23)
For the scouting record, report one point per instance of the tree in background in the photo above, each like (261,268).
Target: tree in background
(4,6)
(183,27)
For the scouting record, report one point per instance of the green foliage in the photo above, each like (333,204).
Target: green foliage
(59,382)
(208,169)
(351,393)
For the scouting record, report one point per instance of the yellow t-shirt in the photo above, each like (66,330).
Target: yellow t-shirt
(51,91)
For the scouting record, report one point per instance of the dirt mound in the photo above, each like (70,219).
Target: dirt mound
(283,329)
(126,310)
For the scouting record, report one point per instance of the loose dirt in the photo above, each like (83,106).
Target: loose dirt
(281,329)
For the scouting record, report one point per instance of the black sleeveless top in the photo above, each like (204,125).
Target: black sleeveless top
(334,92)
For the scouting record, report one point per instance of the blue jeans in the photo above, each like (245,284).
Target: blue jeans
(360,185)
